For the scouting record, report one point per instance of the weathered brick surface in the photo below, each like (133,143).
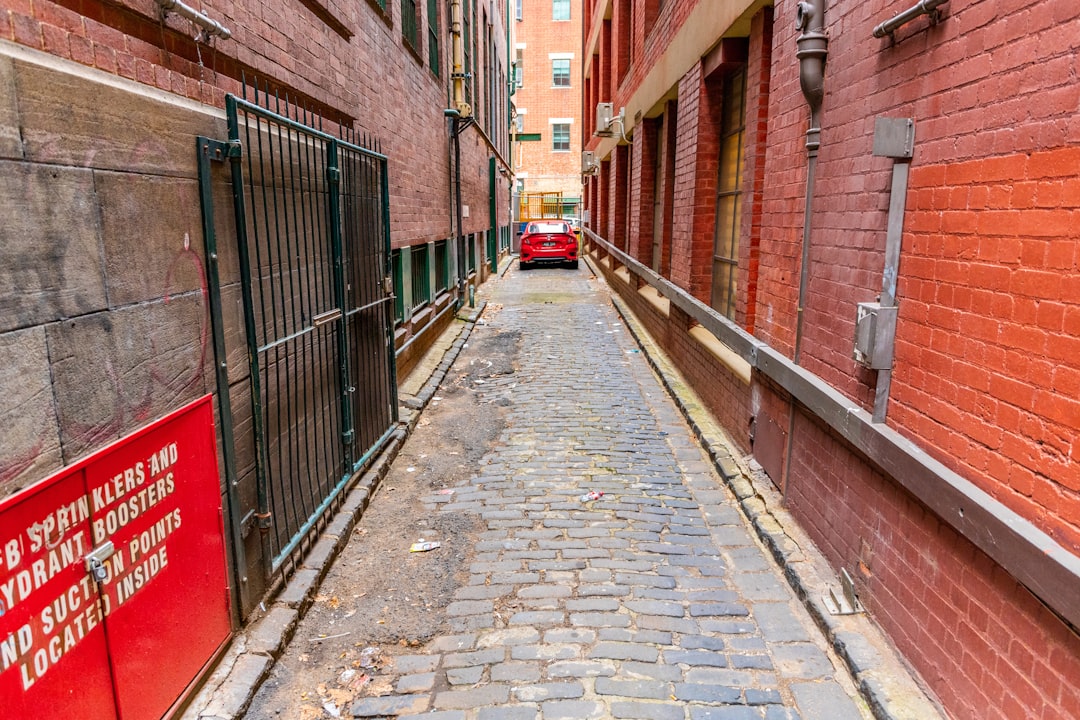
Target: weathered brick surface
(987,365)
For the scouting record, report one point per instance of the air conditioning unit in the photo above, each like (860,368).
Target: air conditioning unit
(604,113)
(588,162)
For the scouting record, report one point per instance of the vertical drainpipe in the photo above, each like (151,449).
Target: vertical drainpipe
(813,48)
(457,58)
(460,117)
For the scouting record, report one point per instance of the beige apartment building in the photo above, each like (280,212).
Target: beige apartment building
(547,99)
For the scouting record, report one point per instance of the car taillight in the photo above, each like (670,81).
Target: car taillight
(526,240)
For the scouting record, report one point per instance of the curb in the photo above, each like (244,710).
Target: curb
(228,691)
(883,680)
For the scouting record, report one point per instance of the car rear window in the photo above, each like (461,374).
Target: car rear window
(548,227)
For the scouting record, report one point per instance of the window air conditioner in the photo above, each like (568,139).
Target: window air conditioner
(603,119)
(588,162)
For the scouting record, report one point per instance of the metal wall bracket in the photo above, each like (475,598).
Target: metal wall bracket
(894,137)
(247,524)
(875,335)
(845,603)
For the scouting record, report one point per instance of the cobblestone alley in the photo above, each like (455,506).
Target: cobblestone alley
(653,601)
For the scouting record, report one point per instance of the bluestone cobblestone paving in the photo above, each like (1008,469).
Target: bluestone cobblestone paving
(654,600)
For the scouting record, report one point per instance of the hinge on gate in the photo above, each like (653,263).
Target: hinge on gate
(219,151)
(332,174)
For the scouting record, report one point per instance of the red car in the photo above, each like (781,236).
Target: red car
(548,241)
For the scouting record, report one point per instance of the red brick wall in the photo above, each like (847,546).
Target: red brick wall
(755,141)
(979,639)
(987,369)
(697,145)
(667,187)
(616,223)
(988,354)
(641,189)
(783,195)
(363,82)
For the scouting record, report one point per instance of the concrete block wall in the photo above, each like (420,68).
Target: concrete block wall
(102,292)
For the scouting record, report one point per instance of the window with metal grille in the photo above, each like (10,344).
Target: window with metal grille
(729,196)
(399,280)
(560,73)
(421,280)
(409,23)
(560,9)
(560,137)
(442,266)
(433,35)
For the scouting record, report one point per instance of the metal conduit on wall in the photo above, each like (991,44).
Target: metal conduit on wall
(209,25)
(813,46)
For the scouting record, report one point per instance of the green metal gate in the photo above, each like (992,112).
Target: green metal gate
(311,216)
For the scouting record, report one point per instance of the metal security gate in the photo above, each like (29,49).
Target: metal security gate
(312,238)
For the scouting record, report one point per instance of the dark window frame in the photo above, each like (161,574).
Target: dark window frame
(724,293)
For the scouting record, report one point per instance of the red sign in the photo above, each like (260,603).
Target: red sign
(113,586)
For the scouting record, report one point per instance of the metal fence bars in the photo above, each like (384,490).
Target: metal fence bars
(312,224)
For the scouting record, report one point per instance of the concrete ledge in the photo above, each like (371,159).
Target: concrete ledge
(658,301)
(723,354)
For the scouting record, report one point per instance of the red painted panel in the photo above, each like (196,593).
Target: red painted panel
(158,499)
(53,654)
(127,647)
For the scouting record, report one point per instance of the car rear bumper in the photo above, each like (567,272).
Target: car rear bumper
(541,255)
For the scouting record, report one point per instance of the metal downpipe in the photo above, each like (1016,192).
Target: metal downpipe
(813,49)
(461,261)
(813,46)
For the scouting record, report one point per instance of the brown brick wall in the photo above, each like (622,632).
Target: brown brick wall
(365,82)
